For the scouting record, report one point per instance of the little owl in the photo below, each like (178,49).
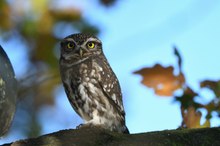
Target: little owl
(90,84)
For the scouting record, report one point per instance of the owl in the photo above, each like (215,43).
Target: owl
(91,86)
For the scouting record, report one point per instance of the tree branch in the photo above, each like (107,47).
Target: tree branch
(96,136)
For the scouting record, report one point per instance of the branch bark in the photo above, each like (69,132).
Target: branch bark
(93,136)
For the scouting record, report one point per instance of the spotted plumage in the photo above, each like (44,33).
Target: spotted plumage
(90,84)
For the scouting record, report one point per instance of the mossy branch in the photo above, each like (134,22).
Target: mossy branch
(98,137)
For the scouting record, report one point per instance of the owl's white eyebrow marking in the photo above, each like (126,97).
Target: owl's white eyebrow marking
(69,39)
(91,40)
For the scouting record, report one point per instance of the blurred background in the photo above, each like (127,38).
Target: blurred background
(136,35)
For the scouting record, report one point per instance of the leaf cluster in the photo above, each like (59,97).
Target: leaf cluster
(165,83)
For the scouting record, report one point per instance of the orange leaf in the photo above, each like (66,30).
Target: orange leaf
(161,79)
(192,118)
(212,85)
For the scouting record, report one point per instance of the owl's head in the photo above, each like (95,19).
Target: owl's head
(78,47)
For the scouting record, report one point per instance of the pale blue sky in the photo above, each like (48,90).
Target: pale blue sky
(139,34)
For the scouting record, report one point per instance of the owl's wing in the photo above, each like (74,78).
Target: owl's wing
(109,83)
(114,96)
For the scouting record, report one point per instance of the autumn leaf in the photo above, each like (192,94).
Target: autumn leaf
(212,85)
(187,99)
(212,106)
(192,118)
(161,79)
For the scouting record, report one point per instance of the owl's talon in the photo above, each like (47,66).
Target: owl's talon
(84,125)
(79,126)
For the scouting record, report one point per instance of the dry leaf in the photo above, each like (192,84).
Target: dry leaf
(161,79)
(187,98)
(212,85)
(192,118)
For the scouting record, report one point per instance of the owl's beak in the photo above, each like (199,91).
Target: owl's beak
(81,52)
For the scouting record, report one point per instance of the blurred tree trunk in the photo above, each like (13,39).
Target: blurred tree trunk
(96,136)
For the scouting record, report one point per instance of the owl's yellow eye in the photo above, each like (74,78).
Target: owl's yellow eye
(91,45)
(70,45)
